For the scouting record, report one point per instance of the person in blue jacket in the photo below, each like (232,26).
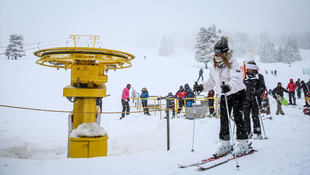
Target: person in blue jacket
(189,94)
(144,95)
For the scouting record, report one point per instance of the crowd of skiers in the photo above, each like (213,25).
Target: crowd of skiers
(238,94)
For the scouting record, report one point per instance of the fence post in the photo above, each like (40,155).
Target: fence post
(168,124)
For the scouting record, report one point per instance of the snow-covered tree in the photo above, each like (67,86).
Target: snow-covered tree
(291,52)
(205,41)
(166,47)
(267,52)
(16,47)
(279,56)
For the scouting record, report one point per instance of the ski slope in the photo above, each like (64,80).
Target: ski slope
(35,142)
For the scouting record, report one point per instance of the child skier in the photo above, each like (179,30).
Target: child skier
(255,86)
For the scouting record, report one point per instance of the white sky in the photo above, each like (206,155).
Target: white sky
(124,20)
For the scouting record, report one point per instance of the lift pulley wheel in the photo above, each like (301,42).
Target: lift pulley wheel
(64,57)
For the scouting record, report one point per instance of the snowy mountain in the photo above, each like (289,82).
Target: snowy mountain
(35,142)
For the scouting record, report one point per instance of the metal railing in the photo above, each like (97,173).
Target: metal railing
(158,103)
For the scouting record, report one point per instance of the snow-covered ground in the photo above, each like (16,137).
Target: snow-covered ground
(35,142)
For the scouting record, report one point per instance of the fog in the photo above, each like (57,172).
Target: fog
(143,23)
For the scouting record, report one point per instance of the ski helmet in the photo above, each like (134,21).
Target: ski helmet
(221,46)
(251,65)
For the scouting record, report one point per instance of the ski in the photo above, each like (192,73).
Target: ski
(210,159)
(232,157)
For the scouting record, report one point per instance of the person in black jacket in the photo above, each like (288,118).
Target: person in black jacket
(298,90)
(255,86)
(279,91)
(306,90)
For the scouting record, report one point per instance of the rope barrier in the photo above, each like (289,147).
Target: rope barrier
(48,110)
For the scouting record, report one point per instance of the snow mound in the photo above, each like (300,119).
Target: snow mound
(88,130)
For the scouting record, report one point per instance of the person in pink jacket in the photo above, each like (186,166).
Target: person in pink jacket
(291,92)
(125,101)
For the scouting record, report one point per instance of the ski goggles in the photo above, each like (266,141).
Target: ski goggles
(217,51)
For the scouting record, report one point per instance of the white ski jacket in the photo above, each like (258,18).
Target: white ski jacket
(232,77)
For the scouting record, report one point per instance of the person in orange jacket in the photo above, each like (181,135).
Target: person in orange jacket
(291,92)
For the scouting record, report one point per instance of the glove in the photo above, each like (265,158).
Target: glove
(128,99)
(225,88)
(198,88)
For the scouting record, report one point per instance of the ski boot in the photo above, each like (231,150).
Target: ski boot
(257,136)
(242,147)
(223,149)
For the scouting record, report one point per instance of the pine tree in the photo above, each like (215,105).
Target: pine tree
(267,53)
(279,55)
(291,51)
(205,41)
(15,48)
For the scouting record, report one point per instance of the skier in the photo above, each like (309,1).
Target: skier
(227,77)
(298,88)
(181,93)
(171,104)
(189,94)
(255,86)
(279,91)
(200,75)
(306,90)
(125,101)
(144,95)
(291,88)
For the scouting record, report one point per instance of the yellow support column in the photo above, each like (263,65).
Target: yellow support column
(89,109)
(78,113)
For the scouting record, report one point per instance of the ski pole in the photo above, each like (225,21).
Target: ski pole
(260,117)
(193,140)
(230,129)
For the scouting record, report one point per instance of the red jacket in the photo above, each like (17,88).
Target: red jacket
(291,86)
(181,94)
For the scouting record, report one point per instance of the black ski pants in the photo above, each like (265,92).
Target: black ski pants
(235,103)
(251,107)
(145,109)
(126,108)
(181,104)
(292,96)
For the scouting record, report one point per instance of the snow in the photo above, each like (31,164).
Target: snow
(35,142)
(88,130)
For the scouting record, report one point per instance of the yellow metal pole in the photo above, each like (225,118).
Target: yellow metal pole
(77,113)
(89,107)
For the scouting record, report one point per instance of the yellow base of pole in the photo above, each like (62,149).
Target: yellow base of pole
(84,147)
